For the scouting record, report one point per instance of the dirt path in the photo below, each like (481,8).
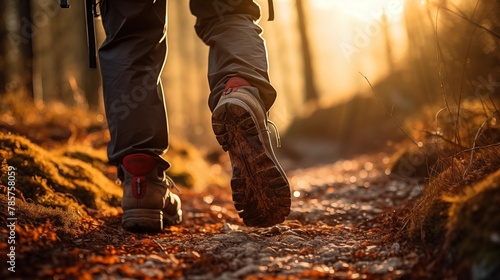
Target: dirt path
(339,228)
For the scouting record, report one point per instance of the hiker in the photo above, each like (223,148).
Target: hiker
(132,59)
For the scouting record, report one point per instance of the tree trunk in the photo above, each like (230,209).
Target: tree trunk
(388,42)
(26,48)
(16,69)
(311,93)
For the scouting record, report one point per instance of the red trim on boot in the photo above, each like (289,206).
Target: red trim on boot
(234,83)
(139,164)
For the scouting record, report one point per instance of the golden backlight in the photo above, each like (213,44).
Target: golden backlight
(346,38)
(362,9)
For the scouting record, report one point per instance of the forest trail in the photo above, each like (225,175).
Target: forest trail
(341,226)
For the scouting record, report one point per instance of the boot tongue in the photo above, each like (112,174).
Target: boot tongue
(139,164)
(234,83)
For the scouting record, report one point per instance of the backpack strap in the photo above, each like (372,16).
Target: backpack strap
(271,10)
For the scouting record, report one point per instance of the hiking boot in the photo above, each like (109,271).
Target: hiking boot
(148,203)
(261,192)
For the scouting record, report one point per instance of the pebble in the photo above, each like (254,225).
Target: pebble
(385,267)
(395,247)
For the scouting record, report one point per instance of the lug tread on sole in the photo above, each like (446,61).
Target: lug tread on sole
(261,193)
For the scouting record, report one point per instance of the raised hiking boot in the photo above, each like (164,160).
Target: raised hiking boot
(148,202)
(261,192)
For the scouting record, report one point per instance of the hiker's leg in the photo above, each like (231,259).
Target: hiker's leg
(132,58)
(236,48)
(241,94)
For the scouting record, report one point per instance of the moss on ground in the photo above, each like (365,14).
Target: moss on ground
(96,158)
(190,169)
(473,226)
(54,180)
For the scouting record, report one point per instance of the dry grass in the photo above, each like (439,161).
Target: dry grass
(460,166)
(431,212)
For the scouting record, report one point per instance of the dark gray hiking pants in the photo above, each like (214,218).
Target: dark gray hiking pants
(134,52)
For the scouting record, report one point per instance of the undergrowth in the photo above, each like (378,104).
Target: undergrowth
(458,160)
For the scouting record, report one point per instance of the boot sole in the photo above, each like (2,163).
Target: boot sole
(261,192)
(147,220)
(142,220)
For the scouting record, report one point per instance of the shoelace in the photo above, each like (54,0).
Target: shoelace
(171,184)
(276,132)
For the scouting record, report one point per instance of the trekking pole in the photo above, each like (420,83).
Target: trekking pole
(90,13)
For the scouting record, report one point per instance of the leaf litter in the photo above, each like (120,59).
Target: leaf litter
(342,225)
